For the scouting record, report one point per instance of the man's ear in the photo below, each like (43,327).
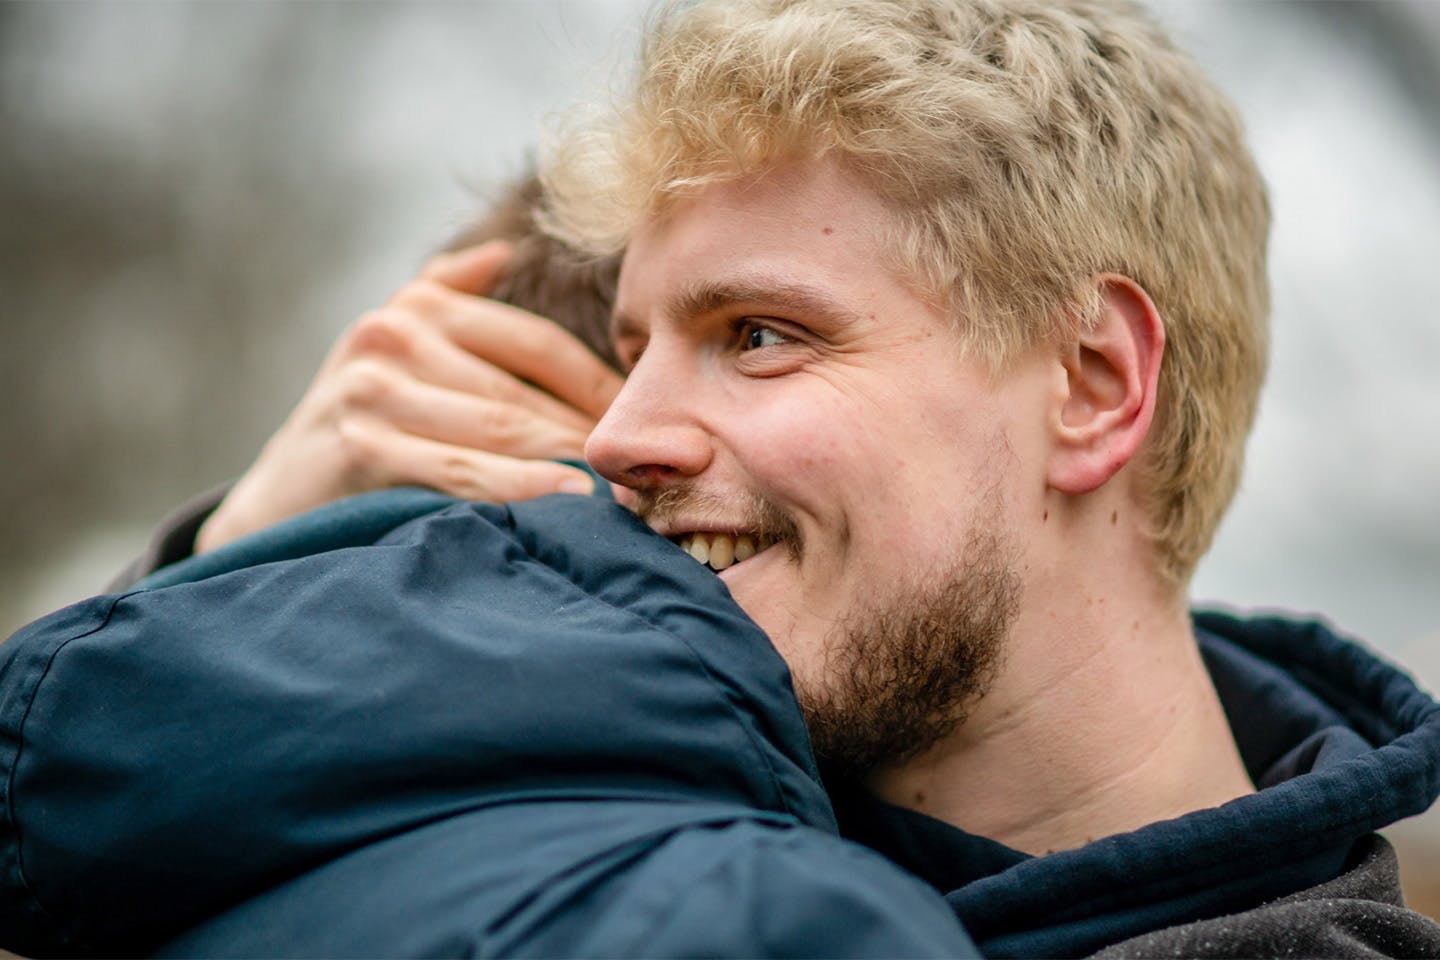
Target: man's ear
(1111,372)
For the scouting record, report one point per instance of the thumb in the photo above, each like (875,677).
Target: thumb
(473,270)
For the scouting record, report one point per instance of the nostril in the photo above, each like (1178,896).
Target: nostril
(650,476)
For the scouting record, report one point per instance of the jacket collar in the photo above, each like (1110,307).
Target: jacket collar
(1340,742)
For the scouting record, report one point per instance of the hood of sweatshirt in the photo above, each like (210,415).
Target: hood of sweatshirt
(1338,742)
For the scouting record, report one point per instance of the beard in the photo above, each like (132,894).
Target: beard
(899,674)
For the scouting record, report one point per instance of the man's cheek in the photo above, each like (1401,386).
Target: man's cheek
(800,431)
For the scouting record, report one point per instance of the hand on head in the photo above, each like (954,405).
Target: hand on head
(444,388)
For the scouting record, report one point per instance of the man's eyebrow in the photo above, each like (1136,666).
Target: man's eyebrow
(785,297)
(798,301)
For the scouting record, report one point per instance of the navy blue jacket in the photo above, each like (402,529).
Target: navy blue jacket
(302,755)
(526,730)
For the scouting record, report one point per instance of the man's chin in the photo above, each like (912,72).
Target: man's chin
(896,679)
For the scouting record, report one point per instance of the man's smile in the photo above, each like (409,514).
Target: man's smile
(720,531)
(719,550)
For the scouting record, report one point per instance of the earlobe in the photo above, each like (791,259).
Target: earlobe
(1111,372)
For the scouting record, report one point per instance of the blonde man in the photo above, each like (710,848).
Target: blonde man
(944,324)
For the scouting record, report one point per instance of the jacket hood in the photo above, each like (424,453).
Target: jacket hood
(1338,741)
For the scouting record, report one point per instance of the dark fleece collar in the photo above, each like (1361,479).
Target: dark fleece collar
(1341,743)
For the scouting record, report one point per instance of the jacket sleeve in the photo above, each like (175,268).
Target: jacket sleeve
(487,728)
(760,891)
(619,877)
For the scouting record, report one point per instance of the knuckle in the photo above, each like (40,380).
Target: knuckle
(382,332)
(503,389)
(498,423)
(421,296)
(366,384)
(502,480)
(358,445)
(459,475)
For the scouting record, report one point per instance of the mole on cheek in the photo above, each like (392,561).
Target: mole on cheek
(828,230)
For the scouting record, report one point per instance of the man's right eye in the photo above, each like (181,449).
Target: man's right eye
(754,336)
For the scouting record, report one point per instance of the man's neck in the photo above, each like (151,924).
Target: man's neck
(1099,723)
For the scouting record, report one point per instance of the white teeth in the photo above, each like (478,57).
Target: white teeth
(744,548)
(699,549)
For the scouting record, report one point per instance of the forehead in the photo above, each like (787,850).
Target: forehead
(802,229)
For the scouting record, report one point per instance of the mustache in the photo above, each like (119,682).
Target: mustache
(750,512)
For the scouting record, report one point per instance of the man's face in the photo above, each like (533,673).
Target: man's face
(786,388)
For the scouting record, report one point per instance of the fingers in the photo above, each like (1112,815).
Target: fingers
(473,270)
(397,457)
(439,388)
(379,392)
(397,339)
(527,346)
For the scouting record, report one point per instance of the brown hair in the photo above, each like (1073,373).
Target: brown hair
(545,275)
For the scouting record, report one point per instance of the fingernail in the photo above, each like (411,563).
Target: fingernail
(577,483)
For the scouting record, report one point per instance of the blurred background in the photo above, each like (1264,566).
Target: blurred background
(195,198)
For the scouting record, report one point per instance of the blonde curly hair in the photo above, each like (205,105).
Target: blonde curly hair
(1024,147)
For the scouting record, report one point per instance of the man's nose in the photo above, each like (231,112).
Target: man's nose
(652,435)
